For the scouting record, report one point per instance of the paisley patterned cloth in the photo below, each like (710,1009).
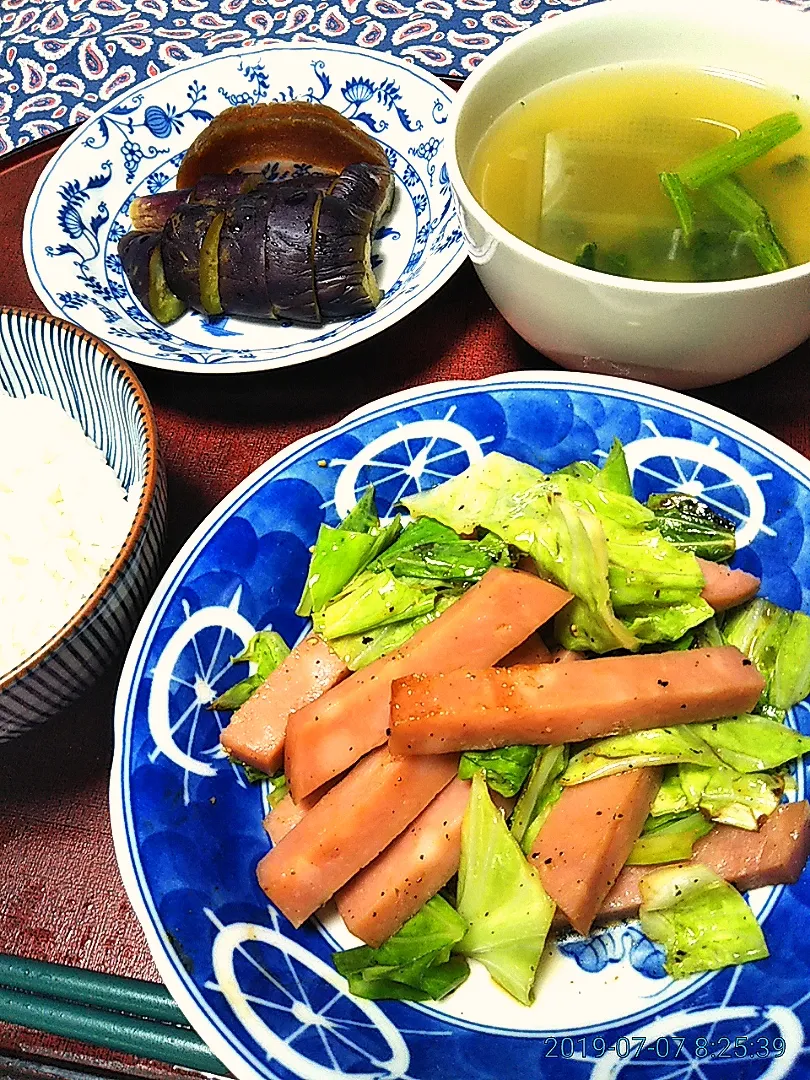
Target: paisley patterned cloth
(61,59)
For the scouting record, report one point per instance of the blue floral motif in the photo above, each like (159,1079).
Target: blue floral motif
(612,946)
(216,325)
(447,239)
(254,73)
(312,93)
(72,301)
(358,90)
(410,176)
(387,93)
(427,151)
(160,122)
(83,235)
(439,111)
(156,181)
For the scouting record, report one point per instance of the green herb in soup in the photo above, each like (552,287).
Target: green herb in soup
(654,172)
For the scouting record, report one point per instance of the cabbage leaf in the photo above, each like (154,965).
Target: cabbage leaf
(702,922)
(746,744)
(415,963)
(542,790)
(693,526)
(505,768)
(630,585)
(669,838)
(500,896)
(640,749)
(266,649)
(374,600)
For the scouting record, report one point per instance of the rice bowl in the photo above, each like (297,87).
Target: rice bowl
(43,356)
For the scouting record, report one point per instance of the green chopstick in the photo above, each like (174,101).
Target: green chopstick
(126,1034)
(111,992)
(127,1015)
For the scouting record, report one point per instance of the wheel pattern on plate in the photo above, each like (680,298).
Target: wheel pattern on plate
(195,834)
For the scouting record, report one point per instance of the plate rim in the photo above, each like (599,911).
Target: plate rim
(185,993)
(312,352)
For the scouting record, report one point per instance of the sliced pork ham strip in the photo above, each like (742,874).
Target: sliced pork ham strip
(257,730)
(494,615)
(548,704)
(287,814)
(401,880)
(586,839)
(348,828)
(726,588)
(776,855)
(531,651)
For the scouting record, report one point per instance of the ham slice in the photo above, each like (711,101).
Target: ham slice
(422,859)
(586,839)
(348,828)
(776,855)
(531,651)
(288,814)
(257,730)
(726,588)
(496,614)
(566,656)
(477,709)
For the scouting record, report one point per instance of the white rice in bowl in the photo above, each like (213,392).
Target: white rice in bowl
(64,516)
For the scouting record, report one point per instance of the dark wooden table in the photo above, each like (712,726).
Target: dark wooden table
(61,898)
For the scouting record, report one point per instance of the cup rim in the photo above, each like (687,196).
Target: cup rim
(607,10)
(142,513)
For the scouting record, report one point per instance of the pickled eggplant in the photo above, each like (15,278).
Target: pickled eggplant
(134,251)
(141,258)
(181,244)
(216,190)
(368,186)
(232,240)
(252,135)
(163,304)
(289,254)
(315,181)
(149,213)
(344,280)
(243,281)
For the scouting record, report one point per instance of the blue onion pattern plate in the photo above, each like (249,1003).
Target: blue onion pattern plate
(133,146)
(188,830)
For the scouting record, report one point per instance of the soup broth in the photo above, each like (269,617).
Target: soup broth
(573,169)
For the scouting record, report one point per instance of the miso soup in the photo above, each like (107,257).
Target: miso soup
(575,170)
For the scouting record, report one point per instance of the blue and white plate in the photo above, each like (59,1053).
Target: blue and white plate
(133,146)
(188,829)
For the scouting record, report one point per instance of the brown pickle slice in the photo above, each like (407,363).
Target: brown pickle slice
(251,135)
(368,186)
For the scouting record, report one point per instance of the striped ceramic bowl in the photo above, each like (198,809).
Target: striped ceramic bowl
(40,354)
